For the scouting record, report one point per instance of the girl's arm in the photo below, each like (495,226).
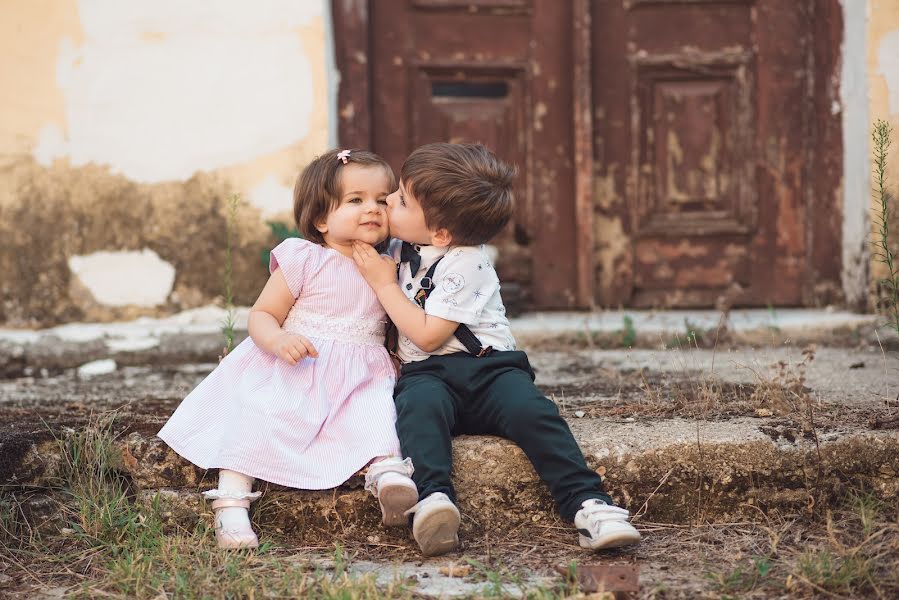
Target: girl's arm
(266,317)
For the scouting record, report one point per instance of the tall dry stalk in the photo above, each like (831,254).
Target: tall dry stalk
(889,285)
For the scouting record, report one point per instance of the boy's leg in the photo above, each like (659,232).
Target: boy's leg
(506,402)
(426,418)
(425,421)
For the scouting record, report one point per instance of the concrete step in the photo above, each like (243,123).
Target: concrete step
(667,470)
(195,335)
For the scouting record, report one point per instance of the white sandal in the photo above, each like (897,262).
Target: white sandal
(237,533)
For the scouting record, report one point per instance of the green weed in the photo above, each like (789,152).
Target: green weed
(741,579)
(234,202)
(693,337)
(132,554)
(889,284)
(628,332)
(827,570)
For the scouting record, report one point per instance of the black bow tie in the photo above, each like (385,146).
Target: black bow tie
(409,254)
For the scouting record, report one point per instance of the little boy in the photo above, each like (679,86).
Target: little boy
(461,372)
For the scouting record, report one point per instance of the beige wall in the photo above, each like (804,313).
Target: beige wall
(883,77)
(123,129)
(125,126)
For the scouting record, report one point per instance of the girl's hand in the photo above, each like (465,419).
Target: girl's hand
(292,348)
(379,271)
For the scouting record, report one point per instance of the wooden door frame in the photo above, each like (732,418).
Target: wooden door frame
(351,21)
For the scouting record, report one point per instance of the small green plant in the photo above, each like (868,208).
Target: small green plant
(827,570)
(628,332)
(15,531)
(692,337)
(868,509)
(883,212)
(281,232)
(230,316)
(341,561)
(92,477)
(495,579)
(773,327)
(133,555)
(741,579)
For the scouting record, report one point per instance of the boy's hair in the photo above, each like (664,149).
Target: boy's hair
(463,188)
(317,189)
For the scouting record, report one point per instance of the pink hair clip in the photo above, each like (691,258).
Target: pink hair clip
(343,155)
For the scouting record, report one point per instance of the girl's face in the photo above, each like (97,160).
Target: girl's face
(361,210)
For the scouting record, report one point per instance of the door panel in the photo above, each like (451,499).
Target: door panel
(689,150)
(471,72)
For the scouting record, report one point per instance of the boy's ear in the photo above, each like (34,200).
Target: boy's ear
(441,238)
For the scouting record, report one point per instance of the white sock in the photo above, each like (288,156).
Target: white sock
(233,517)
(233,481)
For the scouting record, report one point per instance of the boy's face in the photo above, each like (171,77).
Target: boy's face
(407,219)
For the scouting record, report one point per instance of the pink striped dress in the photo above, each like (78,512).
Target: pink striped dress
(312,425)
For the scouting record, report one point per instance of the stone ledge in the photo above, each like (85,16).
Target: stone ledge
(730,474)
(195,335)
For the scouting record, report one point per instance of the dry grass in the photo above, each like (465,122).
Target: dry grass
(780,391)
(98,543)
(101,544)
(106,546)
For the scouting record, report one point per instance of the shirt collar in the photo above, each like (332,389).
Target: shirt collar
(430,254)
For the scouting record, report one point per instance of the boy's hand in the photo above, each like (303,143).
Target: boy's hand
(379,271)
(292,348)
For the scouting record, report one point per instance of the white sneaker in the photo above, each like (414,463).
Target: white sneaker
(389,480)
(436,524)
(603,526)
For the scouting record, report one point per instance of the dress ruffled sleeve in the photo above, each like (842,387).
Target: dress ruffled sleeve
(292,256)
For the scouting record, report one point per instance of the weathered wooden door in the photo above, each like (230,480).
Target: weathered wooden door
(486,71)
(707,124)
(672,152)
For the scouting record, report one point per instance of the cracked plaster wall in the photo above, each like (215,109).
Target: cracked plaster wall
(128,125)
(127,128)
(883,86)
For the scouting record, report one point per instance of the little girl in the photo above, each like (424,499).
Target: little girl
(307,400)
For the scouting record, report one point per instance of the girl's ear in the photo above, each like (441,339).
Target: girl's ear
(441,238)
(322,227)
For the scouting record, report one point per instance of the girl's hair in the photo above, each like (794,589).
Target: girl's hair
(317,190)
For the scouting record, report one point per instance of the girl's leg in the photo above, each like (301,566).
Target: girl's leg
(231,502)
(389,479)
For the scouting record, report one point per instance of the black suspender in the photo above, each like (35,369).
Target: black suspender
(463,333)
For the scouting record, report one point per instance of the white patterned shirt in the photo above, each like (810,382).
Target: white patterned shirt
(466,290)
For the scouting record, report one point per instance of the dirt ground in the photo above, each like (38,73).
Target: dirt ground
(851,388)
(834,555)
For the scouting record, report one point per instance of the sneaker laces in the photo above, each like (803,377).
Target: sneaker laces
(597,511)
(434,497)
(388,465)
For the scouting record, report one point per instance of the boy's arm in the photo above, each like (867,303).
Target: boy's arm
(426,331)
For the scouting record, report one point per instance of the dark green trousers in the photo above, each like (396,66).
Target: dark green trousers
(445,396)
